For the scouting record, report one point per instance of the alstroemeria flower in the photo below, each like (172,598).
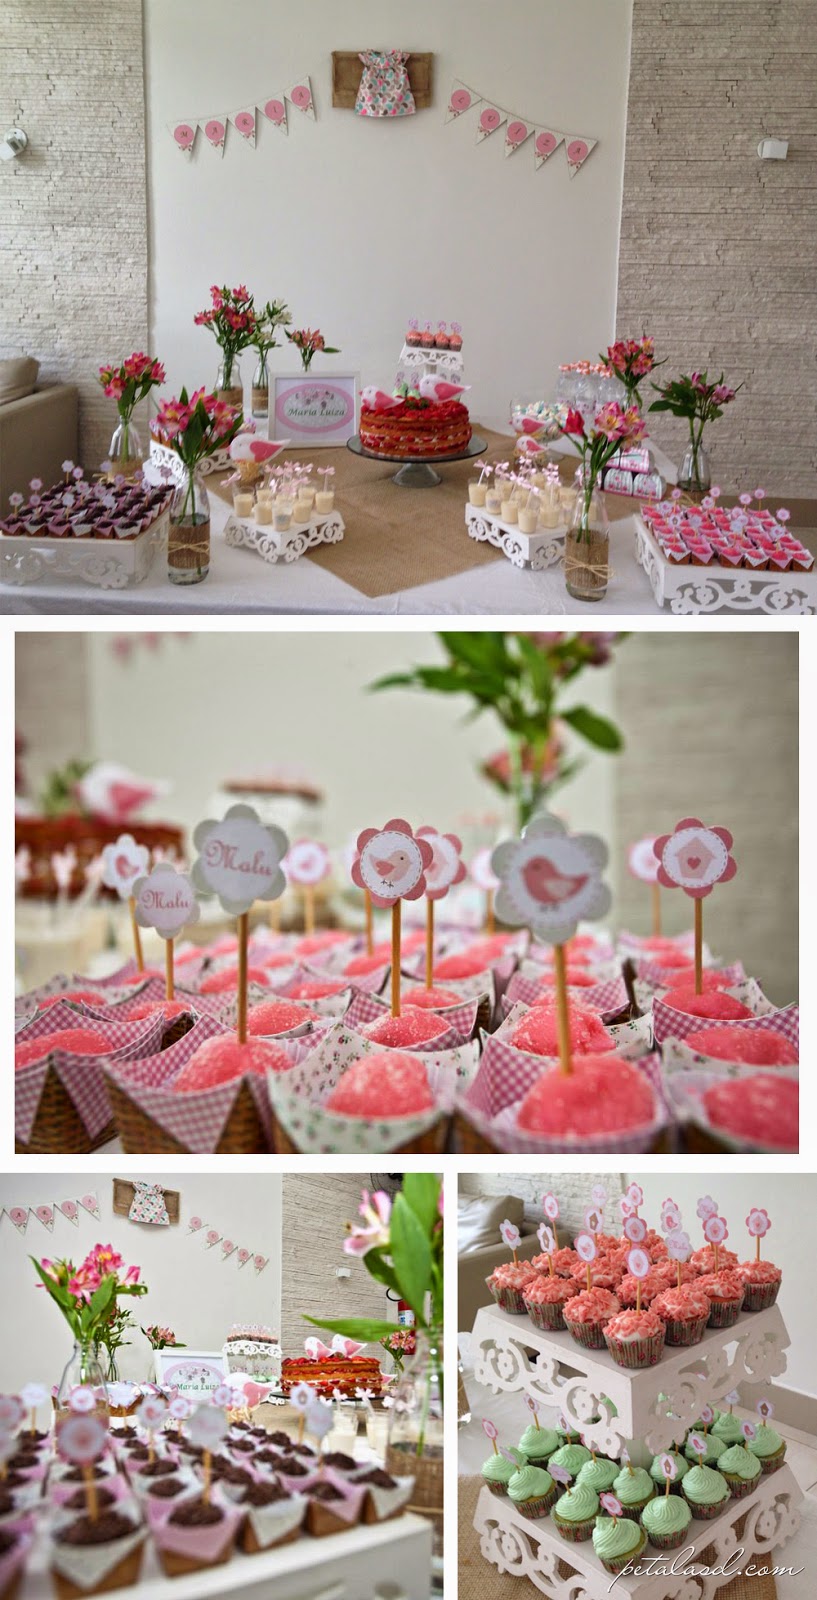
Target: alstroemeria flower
(375,1210)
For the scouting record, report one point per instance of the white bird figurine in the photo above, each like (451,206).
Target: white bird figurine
(113,793)
(440,389)
(377,399)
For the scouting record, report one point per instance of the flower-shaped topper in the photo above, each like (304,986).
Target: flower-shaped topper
(706,1207)
(641,859)
(207,1427)
(166,901)
(698,1444)
(598,1195)
(319,1417)
(81,1439)
(638,1263)
(489,1428)
(765,1410)
(635,1229)
(668,1467)
(392,863)
(585,1247)
(12,1411)
(545,1236)
(550,1206)
(611,1505)
(749,1431)
(550,880)
(509,1234)
(482,872)
(694,858)
(758,1223)
(240,859)
(447,866)
(715,1230)
(635,1195)
(308,862)
(679,1245)
(122,863)
(670,1216)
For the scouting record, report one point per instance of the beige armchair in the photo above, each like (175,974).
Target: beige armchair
(476,1266)
(37,433)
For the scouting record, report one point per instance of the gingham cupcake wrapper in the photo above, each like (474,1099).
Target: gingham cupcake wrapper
(669,1023)
(636,1353)
(686,1090)
(456,1022)
(590,1335)
(607,997)
(686,1331)
(81,1076)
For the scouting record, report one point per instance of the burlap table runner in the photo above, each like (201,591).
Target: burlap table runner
(479,1580)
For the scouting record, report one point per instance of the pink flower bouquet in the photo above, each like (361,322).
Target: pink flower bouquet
(308,343)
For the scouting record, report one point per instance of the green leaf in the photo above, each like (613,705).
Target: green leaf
(475,649)
(411,1254)
(394,680)
(597,730)
(102,1297)
(421,1191)
(381,1269)
(367,1329)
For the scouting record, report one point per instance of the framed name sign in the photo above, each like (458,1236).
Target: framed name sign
(194,1373)
(313,411)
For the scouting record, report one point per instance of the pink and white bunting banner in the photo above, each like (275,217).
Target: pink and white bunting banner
(542,140)
(47,1212)
(242,124)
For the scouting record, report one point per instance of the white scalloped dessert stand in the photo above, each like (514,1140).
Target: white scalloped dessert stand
(271,545)
(106,563)
(694,590)
(655,1407)
(545,548)
(437,363)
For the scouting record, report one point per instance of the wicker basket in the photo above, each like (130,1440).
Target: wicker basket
(427,1495)
(58,1128)
(122,1576)
(432,1143)
(243,1132)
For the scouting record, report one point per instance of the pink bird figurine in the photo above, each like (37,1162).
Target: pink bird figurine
(545,883)
(440,389)
(377,399)
(114,794)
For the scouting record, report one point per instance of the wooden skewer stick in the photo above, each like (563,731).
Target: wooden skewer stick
(137,937)
(395,958)
(490,924)
(169,980)
(562,1011)
(699,946)
(656,910)
(309,909)
(367,900)
(243,938)
(429,944)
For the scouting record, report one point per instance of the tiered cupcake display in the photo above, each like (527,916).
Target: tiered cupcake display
(533,1040)
(94,1503)
(639,1457)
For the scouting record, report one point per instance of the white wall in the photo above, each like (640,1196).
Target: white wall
(791,1202)
(361,224)
(192,1289)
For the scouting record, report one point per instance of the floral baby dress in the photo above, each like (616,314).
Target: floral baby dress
(384,86)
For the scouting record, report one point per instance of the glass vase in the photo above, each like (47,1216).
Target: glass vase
(188,540)
(260,387)
(125,452)
(587,546)
(416,1429)
(229,387)
(83,1371)
(695,476)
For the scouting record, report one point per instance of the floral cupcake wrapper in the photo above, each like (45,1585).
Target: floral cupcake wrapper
(590,1335)
(636,1353)
(508,1299)
(547,1317)
(685,1331)
(497,1488)
(539,1506)
(633,1513)
(669,1541)
(618,1565)
(724,1313)
(759,1296)
(708,1513)
(575,1532)
(771,1463)
(740,1487)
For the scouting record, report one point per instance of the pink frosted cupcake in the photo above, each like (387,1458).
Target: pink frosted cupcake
(725,1291)
(635,1338)
(587,1315)
(564,1261)
(508,1282)
(602,1276)
(545,1300)
(761,1281)
(627,1290)
(684,1313)
(668,1272)
(704,1260)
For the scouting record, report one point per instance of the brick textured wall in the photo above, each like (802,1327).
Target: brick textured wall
(572,1190)
(717,247)
(316,1210)
(73,233)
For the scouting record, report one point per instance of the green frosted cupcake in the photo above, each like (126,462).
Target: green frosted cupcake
(698,1427)
(575,1512)
(681,1468)
(600,1474)
(537,1444)
(706,1492)
(533,1490)
(768,1447)
(633,1488)
(497,1472)
(666,1520)
(714,1450)
(617,1541)
(727,1427)
(570,1456)
(741,1470)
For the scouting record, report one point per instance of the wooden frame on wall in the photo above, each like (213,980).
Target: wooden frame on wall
(347,70)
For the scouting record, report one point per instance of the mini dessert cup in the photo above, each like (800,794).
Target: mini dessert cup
(493,502)
(386,1496)
(93,1557)
(761,1284)
(333,1505)
(477,492)
(510,511)
(324,502)
(196,1536)
(271,1518)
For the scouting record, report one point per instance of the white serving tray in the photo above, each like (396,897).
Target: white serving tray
(106,563)
(272,546)
(697,590)
(534,550)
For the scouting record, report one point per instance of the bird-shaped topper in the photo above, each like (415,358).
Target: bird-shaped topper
(447,866)
(391,863)
(112,793)
(550,880)
(440,389)
(245,447)
(377,399)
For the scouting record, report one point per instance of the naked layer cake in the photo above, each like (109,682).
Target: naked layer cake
(346,1373)
(416,427)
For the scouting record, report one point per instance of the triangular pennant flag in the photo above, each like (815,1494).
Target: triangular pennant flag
(461,99)
(516,134)
(243,1256)
(301,96)
(577,151)
(489,120)
(45,1215)
(227,1248)
(70,1210)
(275,111)
(212,1237)
(244,123)
(19,1216)
(215,133)
(90,1204)
(547,140)
(260,1262)
(184,134)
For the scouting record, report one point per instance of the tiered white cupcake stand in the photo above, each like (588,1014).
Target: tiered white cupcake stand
(655,1407)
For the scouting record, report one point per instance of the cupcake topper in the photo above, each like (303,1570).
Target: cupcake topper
(207,1428)
(715,1230)
(706,1207)
(8,1445)
(319,1418)
(240,861)
(694,858)
(489,1428)
(699,1446)
(669,1470)
(611,1505)
(518,1458)
(707,1416)
(445,869)
(734,1399)
(545,1236)
(638,1263)
(151,1414)
(550,880)
(165,900)
(635,1195)
(635,1229)
(585,1247)
(758,1224)
(749,1431)
(626,1207)
(670,1217)
(593,1222)
(12,1411)
(82,1440)
(123,862)
(598,1195)
(307,864)
(32,1396)
(179,1409)
(533,1408)
(222,1396)
(391,866)
(765,1410)
(560,1474)
(550,1206)
(642,863)
(509,1234)
(82,1400)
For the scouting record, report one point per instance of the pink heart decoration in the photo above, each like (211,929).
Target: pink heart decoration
(19,1216)
(253,1394)
(69,1209)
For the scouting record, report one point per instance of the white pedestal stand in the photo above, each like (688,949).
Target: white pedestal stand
(299,537)
(699,590)
(545,548)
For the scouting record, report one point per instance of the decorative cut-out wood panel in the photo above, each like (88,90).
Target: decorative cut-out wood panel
(123,1193)
(347,70)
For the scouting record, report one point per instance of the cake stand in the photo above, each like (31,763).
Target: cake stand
(420,474)
(654,1407)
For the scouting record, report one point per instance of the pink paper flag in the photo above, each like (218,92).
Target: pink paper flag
(488,121)
(517,133)
(301,96)
(70,1210)
(260,1262)
(227,1247)
(577,151)
(275,111)
(212,1237)
(461,99)
(45,1215)
(244,123)
(546,141)
(19,1216)
(215,134)
(90,1204)
(243,1257)
(184,134)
